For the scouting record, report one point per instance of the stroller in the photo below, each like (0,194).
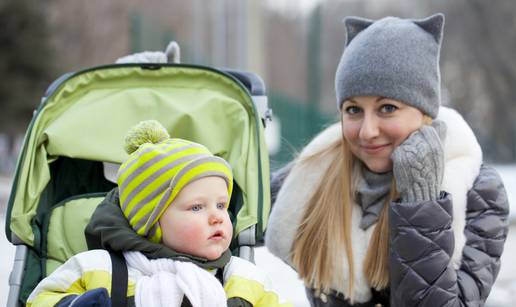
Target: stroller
(74,144)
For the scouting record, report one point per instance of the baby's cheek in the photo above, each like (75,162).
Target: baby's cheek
(191,233)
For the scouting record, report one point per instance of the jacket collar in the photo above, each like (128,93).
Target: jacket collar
(108,229)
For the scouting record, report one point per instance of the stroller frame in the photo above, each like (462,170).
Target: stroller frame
(246,239)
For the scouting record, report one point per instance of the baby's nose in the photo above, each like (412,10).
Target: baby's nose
(215,218)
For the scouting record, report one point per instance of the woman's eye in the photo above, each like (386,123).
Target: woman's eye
(388,108)
(352,110)
(196,207)
(221,206)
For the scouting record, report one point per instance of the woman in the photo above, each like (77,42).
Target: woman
(392,206)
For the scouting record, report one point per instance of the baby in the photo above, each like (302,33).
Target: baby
(175,193)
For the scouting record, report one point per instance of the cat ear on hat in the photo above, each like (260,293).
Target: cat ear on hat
(434,25)
(355,25)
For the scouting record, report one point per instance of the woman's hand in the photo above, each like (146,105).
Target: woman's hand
(98,297)
(418,163)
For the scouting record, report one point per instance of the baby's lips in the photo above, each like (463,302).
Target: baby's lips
(217,235)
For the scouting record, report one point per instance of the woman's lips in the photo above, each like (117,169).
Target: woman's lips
(373,149)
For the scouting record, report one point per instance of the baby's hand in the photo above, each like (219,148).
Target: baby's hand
(418,163)
(95,297)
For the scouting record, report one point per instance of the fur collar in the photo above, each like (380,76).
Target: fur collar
(463,158)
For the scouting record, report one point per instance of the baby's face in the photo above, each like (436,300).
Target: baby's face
(197,221)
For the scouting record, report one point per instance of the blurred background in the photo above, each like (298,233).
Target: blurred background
(294,45)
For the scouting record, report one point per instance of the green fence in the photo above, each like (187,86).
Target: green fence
(147,34)
(299,121)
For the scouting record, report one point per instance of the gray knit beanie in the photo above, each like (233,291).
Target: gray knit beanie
(394,58)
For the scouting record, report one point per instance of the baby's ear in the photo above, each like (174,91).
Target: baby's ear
(355,25)
(433,25)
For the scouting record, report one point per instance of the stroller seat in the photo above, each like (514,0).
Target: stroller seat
(79,128)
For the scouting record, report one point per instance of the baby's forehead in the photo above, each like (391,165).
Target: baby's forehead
(206,187)
(201,196)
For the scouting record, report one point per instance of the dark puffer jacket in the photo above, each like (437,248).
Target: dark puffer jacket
(422,243)
(421,273)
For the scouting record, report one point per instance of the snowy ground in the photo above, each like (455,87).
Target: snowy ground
(6,262)
(285,279)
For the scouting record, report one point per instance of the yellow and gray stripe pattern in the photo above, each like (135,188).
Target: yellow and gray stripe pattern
(243,279)
(154,174)
(82,272)
(92,269)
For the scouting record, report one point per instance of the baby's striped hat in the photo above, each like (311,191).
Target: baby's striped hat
(157,169)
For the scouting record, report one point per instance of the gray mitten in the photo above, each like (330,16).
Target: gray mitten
(418,163)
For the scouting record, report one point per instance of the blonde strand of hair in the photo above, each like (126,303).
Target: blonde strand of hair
(316,249)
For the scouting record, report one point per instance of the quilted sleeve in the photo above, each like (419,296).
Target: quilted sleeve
(422,244)
(79,274)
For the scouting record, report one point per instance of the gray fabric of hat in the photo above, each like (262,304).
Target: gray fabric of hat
(394,58)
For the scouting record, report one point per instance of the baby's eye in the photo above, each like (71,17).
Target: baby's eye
(351,110)
(388,108)
(196,207)
(221,205)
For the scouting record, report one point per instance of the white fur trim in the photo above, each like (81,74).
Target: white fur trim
(463,158)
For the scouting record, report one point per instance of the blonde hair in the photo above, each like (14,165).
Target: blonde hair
(316,249)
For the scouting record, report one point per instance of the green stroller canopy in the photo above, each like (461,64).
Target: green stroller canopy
(88,115)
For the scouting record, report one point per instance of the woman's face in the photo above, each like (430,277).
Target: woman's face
(374,126)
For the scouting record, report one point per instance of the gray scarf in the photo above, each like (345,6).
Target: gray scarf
(372,192)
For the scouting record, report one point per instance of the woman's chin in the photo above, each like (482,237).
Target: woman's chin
(379,166)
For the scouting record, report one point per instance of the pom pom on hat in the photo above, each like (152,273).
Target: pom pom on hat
(149,131)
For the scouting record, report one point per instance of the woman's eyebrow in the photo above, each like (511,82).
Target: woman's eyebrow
(380,98)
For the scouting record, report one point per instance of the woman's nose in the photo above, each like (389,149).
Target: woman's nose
(369,128)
